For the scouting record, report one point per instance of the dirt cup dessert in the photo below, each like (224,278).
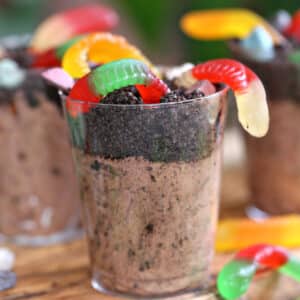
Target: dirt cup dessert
(39,197)
(274,54)
(148,156)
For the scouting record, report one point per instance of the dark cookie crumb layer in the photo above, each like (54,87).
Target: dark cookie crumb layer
(182,132)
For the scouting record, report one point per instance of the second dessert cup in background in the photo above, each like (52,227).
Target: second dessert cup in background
(39,196)
(274,161)
(39,202)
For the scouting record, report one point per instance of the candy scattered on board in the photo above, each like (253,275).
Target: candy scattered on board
(62,26)
(7,259)
(59,78)
(249,92)
(233,234)
(99,48)
(11,75)
(259,45)
(235,277)
(225,24)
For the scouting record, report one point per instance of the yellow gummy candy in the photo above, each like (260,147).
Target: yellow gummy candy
(99,48)
(234,234)
(225,24)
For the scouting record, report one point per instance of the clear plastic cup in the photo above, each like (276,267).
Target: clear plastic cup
(39,197)
(149,179)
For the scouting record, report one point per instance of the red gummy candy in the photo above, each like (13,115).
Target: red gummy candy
(62,26)
(228,71)
(47,59)
(152,92)
(267,256)
(293,30)
(91,17)
(81,92)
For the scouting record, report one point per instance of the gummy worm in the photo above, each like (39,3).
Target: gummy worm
(62,26)
(99,48)
(235,234)
(293,30)
(115,75)
(236,276)
(249,92)
(225,24)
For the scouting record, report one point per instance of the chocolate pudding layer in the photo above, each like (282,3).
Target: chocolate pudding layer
(150,224)
(149,178)
(274,161)
(39,202)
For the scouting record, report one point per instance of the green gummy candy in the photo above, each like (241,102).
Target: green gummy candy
(292,268)
(61,50)
(294,57)
(118,74)
(234,279)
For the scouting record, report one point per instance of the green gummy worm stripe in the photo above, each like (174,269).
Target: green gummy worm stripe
(61,50)
(292,268)
(118,74)
(235,278)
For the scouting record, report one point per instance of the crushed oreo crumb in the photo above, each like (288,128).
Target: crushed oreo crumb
(95,165)
(180,94)
(195,94)
(149,228)
(128,95)
(174,96)
(171,84)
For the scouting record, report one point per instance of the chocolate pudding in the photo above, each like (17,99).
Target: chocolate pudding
(149,178)
(274,161)
(38,190)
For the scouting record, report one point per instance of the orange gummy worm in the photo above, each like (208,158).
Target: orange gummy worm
(236,234)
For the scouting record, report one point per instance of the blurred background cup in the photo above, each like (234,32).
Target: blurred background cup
(39,198)
(274,162)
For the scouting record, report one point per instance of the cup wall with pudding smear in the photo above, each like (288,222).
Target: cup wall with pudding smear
(149,179)
(39,198)
(274,161)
